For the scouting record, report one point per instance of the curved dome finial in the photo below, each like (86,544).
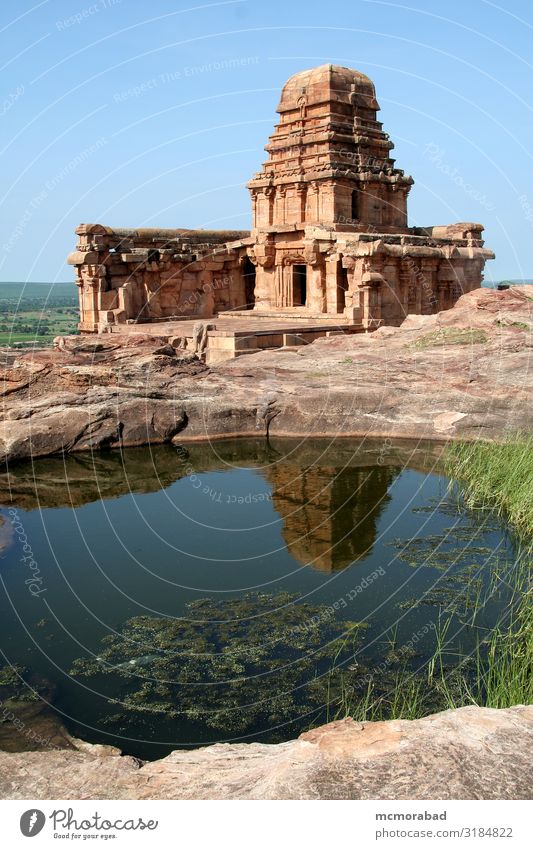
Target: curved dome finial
(327,82)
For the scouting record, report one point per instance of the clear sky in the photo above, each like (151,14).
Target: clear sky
(129,113)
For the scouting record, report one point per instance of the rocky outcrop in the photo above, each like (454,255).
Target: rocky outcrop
(462,373)
(92,393)
(470,753)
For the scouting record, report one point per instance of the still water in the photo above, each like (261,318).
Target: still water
(177,596)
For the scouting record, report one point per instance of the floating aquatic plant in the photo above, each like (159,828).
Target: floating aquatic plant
(231,665)
(13,686)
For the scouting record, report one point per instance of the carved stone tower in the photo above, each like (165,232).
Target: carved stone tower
(329,159)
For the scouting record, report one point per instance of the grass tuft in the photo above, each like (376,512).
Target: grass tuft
(451,336)
(498,476)
(499,672)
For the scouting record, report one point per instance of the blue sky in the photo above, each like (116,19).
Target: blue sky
(129,113)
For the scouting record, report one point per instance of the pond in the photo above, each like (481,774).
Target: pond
(243,590)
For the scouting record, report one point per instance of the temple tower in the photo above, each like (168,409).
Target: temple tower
(329,160)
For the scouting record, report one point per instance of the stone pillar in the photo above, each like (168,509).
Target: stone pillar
(301,193)
(312,203)
(399,197)
(316,286)
(327,202)
(262,255)
(442,295)
(261,208)
(355,305)
(316,278)
(286,299)
(353,301)
(371,294)
(415,285)
(89,289)
(332,281)
(264,286)
(293,214)
(365,295)
(279,214)
(428,286)
(391,304)
(404,277)
(125,301)
(446,281)
(151,290)
(269,195)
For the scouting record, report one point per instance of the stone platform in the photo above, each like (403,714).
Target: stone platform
(232,335)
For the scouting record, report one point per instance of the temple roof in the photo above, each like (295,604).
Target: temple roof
(327,83)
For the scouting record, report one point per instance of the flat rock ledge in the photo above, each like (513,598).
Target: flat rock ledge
(460,374)
(469,753)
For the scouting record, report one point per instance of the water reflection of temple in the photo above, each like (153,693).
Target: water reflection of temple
(329,495)
(330,514)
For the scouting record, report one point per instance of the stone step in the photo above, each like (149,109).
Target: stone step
(290,314)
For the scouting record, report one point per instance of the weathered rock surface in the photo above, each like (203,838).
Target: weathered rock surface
(91,393)
(470,753)
(462,373)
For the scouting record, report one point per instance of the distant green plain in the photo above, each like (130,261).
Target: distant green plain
(35,313)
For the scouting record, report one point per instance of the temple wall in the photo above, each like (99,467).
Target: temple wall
(127,276)
(136,276)
(399,285)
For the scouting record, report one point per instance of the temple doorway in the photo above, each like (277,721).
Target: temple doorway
(248,270)
(342,288)
(299,286)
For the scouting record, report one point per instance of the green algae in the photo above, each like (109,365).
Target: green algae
(231,664)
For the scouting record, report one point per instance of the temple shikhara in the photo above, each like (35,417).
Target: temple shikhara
(330,250)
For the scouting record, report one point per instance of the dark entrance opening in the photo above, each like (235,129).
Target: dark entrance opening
(355,205)
(248,270)
(299,286)
(342,288)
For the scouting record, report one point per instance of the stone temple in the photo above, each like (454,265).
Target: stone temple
(330,250)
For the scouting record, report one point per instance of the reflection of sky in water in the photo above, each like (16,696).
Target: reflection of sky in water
(312,528)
